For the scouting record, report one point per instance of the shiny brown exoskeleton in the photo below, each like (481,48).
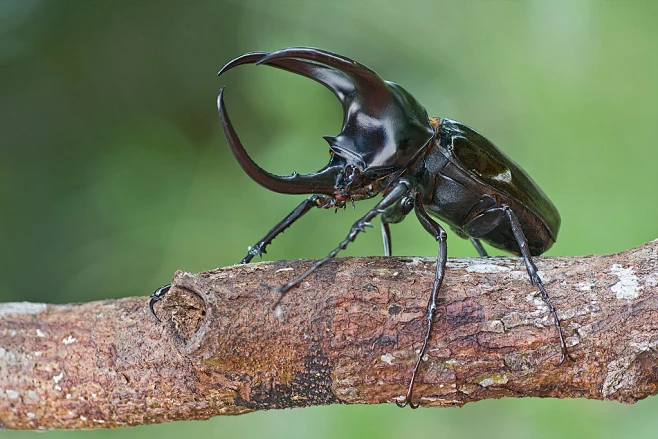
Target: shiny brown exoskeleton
(434,166)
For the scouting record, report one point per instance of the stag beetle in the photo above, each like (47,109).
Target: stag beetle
(433,166)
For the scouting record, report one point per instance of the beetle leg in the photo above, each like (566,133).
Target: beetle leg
(399,191)
(534,276)
(259,247)
(522,242)
(386,237)
(439,234)
(320,182)
(313,201)
(478,246)
(156,297)
(394,214)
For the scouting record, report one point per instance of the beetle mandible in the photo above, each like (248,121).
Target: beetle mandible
(436,167)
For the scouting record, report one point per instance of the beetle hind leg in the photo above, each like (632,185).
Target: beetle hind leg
(534,276)
(495,215)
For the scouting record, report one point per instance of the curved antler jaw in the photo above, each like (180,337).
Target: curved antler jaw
(320,182)
(384,126)
(247,58)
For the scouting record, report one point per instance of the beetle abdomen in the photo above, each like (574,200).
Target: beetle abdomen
(490,166)
(472,176)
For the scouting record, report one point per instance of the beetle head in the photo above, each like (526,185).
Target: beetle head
(384,127)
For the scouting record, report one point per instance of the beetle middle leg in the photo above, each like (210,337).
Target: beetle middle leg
(439,234)
(398,192)
(505,212)
(394,214)
(478,246)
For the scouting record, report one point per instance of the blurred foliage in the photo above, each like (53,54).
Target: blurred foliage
(114,172)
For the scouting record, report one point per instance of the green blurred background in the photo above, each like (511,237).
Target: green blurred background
(114,172)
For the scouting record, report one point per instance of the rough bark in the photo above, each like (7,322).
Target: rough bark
(347,335)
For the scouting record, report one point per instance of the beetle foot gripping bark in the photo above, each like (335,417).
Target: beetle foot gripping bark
(156,297)
(531,268)
(434,166)
(437,231)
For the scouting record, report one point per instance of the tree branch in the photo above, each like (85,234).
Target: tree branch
(348,334)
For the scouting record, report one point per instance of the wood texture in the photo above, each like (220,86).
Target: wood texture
(347,335)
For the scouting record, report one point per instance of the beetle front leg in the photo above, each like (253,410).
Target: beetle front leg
(439,234)
(313,201)
(259,248)
(156,297)
(398,192)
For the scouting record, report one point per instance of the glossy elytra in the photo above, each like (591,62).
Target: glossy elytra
(436,167)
